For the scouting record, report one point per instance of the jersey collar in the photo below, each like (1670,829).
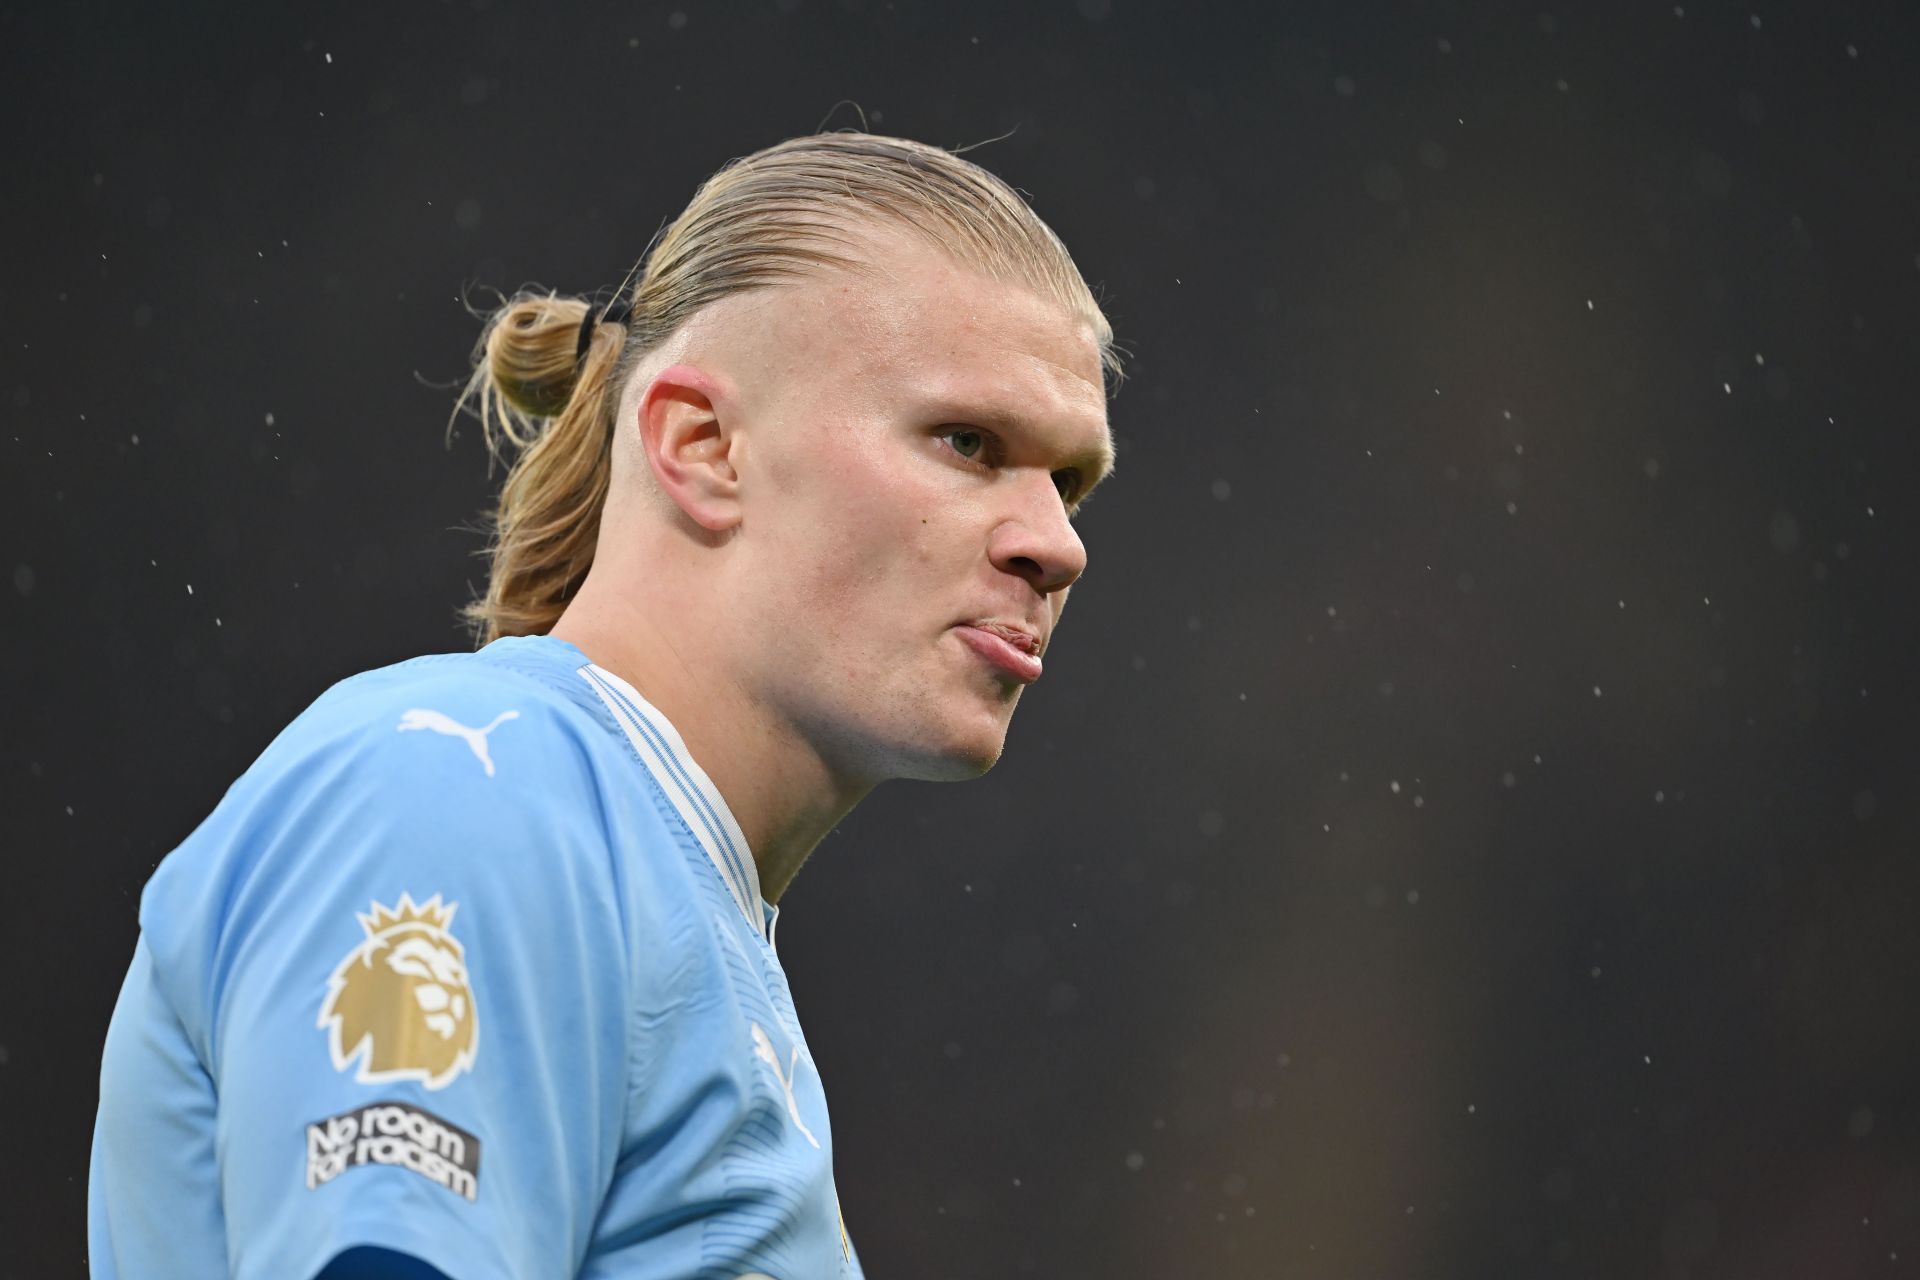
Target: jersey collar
(690,790)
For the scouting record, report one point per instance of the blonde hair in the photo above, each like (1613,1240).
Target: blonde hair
(764,219)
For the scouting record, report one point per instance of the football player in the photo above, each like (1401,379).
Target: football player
(472,973)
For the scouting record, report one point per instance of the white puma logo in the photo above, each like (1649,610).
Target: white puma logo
(763,1050)
(440,722)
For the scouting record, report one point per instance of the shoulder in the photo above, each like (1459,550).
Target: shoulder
(444,730)
(450,765)
(481,705)
(451,780)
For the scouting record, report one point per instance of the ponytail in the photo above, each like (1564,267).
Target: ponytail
(534,401)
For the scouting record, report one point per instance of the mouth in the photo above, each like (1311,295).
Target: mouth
(1013,651)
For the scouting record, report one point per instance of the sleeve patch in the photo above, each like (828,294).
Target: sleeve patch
(395,1133)
(400,1001)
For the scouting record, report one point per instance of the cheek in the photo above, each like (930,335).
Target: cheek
(868,533)
(865,563)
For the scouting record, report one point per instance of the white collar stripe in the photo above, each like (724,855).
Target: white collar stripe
(684,792)
(671,758)
(663,752)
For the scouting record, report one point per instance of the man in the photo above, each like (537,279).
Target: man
(472,973)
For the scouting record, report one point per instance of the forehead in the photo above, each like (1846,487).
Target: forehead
(919,326)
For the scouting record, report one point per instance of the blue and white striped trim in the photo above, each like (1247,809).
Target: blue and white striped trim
(664,752)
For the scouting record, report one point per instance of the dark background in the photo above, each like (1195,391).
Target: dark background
(1466,829)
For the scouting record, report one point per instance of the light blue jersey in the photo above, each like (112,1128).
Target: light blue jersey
(472,964)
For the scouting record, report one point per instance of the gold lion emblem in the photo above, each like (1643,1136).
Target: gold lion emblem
(400,1001)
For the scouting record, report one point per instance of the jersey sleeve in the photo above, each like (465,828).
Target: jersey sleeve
(418,994)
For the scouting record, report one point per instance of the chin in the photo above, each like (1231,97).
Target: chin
(935,734)
(961,768)
(958,758)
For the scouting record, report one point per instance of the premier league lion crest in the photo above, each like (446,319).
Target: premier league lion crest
(400,1001)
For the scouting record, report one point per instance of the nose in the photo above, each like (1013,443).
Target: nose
(1036,541)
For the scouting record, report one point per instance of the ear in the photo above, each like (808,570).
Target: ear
(686,429)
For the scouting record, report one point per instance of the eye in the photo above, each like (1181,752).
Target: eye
(966,442)
(1066,482)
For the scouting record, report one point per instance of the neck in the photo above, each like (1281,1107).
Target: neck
(780,788)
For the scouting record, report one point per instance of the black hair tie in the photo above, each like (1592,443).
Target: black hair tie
(618,312)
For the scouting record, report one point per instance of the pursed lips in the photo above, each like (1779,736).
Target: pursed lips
(1012,649)
(1019,638)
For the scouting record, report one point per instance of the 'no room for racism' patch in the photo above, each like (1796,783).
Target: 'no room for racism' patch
(395,1133)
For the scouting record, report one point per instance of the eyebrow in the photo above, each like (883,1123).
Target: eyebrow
(1098,461)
